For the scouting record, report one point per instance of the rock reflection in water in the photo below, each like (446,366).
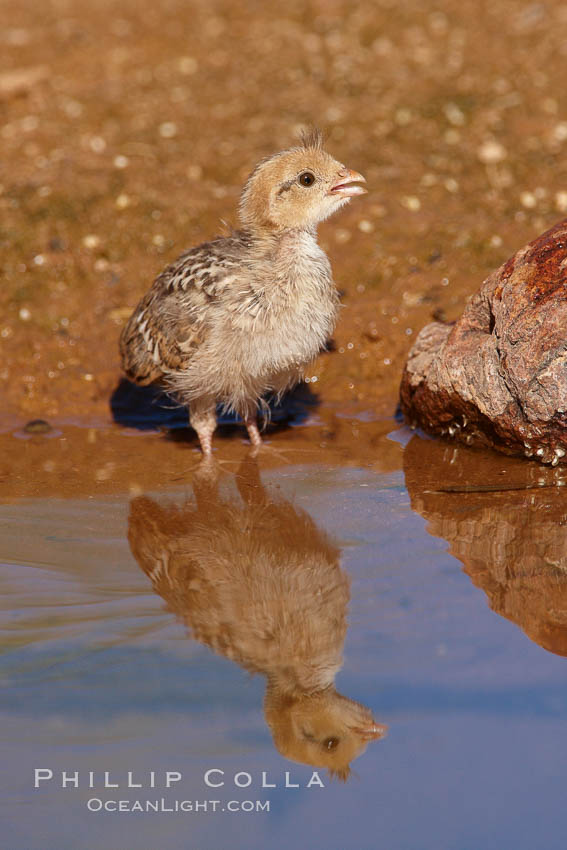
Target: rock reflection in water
(257,581)
(506,520)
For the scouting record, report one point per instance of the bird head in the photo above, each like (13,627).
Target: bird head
(323,729)
(297,188)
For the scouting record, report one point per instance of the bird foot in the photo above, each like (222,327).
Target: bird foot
(267,450)
(207,467)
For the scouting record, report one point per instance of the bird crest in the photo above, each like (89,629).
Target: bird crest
(312,139)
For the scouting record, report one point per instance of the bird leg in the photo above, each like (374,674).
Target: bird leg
(258,445)
(253,432)
(203,418)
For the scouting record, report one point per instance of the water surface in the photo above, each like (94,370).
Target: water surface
(460,655)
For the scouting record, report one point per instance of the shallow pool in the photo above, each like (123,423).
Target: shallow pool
(167,636)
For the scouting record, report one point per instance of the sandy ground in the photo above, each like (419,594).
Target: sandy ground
(129,127)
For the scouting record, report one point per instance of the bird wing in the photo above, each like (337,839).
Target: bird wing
(171,321)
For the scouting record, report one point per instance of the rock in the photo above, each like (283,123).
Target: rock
(21,80)
(37,426)
(498,376)
(506,525)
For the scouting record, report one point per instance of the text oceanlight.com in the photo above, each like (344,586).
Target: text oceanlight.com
(163,806)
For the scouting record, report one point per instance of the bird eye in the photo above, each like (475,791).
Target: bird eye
(331,743)
(306,179)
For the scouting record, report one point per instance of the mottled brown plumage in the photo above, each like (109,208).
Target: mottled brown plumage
(240,317)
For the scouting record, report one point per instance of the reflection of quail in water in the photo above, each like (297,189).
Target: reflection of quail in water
(241,316)
(262,585)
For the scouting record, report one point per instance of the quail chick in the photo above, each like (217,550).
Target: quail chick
(261,584)
(239,318)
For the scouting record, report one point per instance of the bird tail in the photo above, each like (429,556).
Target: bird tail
(137,361)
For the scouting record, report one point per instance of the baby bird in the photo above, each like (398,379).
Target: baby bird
(240,317)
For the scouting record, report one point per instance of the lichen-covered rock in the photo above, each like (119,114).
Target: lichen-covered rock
(498,376)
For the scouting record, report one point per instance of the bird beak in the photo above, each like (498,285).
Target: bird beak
(345,188)
(372,733)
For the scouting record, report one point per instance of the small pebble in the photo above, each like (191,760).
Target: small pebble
(168,130)
(492,152)
(452,136)
(91,241)
(528,200)
(411,203)
(560,131)
(454,115)
(372,334)
(334,114)
(97,144)
(37,426)
(29,123)
(56,244)
(73,108)
(187,65)
(403,117)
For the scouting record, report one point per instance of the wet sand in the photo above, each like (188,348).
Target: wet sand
(128,130)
